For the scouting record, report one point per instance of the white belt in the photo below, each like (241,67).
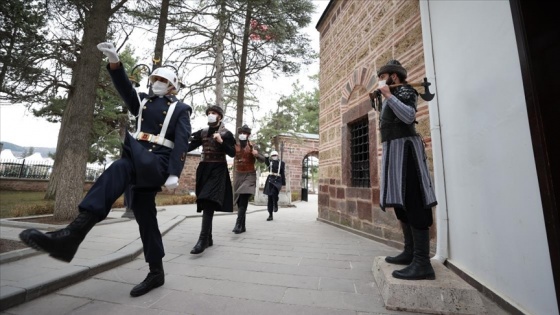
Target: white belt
(143,136)
(275,174)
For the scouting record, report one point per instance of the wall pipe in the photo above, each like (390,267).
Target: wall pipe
(442,221)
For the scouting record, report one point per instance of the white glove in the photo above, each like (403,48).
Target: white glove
(172,182)
(109,50)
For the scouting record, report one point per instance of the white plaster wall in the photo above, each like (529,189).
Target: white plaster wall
(496,225)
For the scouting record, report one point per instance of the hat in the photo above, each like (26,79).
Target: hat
(273,153)
(217,109)
(392,66)
(244,129)
(167,74)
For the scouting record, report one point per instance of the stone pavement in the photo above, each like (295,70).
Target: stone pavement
(291,265)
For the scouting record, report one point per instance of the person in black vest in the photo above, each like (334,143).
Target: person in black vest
(274,182)
(405,179)
(245,181)
(153,157)
(213,185)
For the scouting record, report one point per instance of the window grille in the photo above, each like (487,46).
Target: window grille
(359,153)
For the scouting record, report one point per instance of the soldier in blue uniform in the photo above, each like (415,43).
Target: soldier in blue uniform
(274,182)
(152,157)
(213,185)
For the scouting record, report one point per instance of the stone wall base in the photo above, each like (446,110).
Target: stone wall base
(447,294)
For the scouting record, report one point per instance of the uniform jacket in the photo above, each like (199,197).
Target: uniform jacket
(153,115)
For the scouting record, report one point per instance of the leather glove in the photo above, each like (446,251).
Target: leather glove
(109,50)
(172,182)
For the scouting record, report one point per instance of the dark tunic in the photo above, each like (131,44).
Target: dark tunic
(245,173)
(213,185)
(276,179)
(400,142)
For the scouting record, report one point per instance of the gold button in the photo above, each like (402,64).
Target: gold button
(165,112)
(153,146)
(149,100)
(150,150)
(168,103)
(145,107)
(142,119)
(160,125)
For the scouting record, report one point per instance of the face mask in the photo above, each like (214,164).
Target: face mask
(274,158)
(242,137)
(159,88)
(381,83)
(212,118)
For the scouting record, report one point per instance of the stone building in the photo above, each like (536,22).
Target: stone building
(493,123)
(356,38)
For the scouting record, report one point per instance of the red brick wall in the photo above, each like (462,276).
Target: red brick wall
(296,148)
(356,39)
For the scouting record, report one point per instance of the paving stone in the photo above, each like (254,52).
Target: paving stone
(50,304)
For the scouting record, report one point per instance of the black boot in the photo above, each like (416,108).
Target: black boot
(404,258)
(269,217)
(420,268)
(237,227)
(241,221)
(155,278)
(204,238)
(61,244)
(210,240)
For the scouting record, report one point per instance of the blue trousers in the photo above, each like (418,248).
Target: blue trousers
(109,187)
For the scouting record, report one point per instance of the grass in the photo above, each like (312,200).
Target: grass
(26,203)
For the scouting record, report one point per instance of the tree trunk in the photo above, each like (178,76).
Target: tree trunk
(160,38)
(219,60)
(77,121)
(243,68)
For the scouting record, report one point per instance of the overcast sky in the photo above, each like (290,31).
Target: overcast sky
(20,127)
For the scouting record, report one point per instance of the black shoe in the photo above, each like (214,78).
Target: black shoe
(237,228)
(200,246)
(153,280)
(275,208)
(269,218)
(404,258)
(61,244)
(420,268)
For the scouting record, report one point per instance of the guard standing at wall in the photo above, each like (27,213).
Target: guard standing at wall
(245,181)
(405,180)
(153,157)
(274,182)
(213,185)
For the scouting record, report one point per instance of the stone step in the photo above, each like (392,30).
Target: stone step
(447,294)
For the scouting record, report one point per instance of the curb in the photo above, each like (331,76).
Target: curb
(12,296)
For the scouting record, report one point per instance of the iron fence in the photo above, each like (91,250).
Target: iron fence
(40,170)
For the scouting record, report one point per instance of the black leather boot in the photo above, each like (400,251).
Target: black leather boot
(210,240)
(237,227)
(241,218)
(204,238)
(420,268)
(61,244)
(155,278)
(269,217)
(404,258)
(243,221)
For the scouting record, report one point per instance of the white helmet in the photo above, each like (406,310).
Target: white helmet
(167,74)
(273,153)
